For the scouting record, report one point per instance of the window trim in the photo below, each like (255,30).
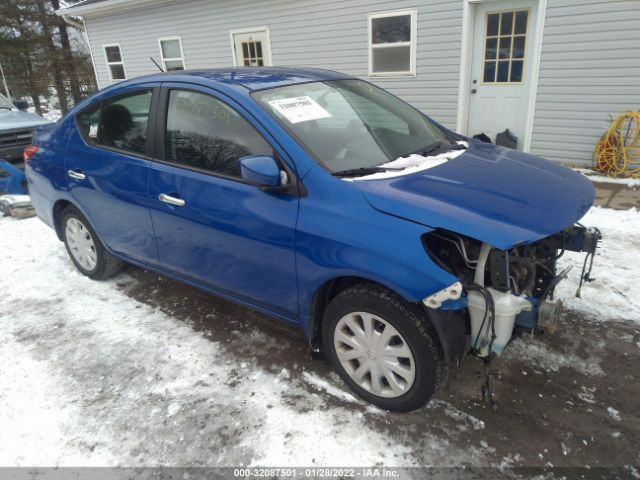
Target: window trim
(172,59)
(121,62)
(412,43)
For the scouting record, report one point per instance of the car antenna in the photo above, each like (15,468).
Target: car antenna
(156,64)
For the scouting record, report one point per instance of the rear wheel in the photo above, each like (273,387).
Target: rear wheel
(382,347)
(84,247)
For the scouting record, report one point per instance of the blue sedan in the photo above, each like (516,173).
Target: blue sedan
(395,244)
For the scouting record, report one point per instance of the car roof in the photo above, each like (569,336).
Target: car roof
(251,78)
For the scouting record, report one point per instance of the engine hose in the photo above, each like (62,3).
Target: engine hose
(617,153)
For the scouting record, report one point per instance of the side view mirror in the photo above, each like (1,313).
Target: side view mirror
(262,170)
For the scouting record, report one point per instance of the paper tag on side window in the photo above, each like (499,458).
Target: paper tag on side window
(93,131)
(299,109)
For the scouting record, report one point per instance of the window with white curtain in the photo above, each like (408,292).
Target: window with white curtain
(171,53)
(115,62)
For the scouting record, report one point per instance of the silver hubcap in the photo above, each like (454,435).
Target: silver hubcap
(374,354)
(81,244)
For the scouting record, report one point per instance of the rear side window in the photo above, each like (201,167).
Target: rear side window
(123,122)
(205,133)
(119,123)
(88,123)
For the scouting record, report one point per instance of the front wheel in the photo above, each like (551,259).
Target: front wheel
(84,247)
(382,347)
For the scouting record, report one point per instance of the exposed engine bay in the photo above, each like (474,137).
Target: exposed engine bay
(507,289)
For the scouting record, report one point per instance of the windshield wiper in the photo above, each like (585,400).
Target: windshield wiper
(358,172)
(440,147)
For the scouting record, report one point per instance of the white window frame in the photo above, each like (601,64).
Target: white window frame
(121,62)
(263,29)
(412,43)
(171,59)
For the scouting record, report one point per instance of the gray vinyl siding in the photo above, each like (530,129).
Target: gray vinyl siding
(313,33)
(589,70)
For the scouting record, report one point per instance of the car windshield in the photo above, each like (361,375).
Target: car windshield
(5,104)
(350,125)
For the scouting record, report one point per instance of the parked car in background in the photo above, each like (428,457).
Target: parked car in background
(320,199)
(16,129)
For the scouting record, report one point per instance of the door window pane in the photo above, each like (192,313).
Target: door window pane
(521,22)
(489,72)
(204,133)
(505,47)
(493,21)
(505,39)
(506,23)
(491,48)
(252,54)
(503,72)
(516,71)
(123,123)
(518,47)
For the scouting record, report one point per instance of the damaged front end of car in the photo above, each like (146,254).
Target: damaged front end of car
(506,290)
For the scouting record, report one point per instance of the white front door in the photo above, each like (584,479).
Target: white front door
(252,49)
(503,45)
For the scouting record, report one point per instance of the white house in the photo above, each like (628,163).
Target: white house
(551,71)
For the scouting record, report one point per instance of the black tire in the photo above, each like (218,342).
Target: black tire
(106,264)
(412,324)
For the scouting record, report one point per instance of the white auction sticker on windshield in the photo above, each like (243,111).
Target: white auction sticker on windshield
(299,109)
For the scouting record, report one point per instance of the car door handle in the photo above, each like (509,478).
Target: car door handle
(178,202)
(77,174)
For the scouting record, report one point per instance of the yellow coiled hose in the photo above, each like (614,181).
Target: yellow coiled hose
(617,153)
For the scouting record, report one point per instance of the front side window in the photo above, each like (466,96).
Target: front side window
(392,43)
(115,62)
(351,124)
(206,134)
(171,51)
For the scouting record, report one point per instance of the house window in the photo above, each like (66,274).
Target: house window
(505,44)
(392,43)
(171,53)
(115,63)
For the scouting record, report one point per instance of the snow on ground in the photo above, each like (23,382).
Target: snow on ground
(603,178)
(614,292)
(89,376)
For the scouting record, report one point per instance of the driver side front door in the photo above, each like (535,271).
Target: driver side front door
(218,230)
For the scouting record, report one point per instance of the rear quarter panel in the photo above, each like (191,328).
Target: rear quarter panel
(45,170)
